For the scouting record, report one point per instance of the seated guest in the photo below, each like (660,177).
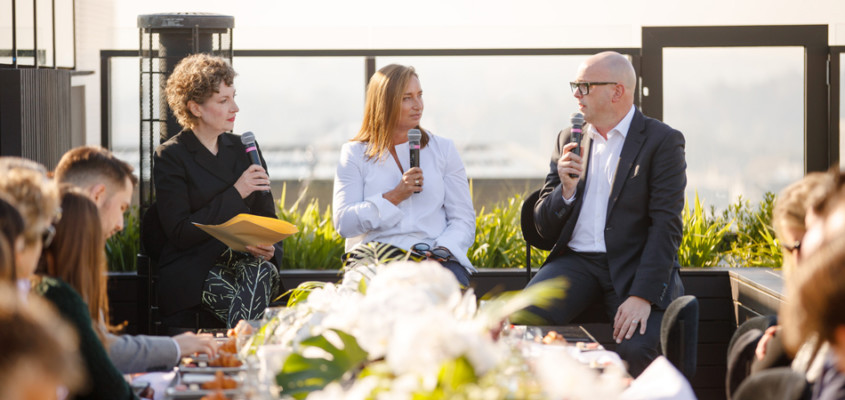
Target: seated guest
(38,356)
(26,184)
(204,175)
(108,182)
(379,197)
(612,215)
(790,211)
(11,240)
(814,309)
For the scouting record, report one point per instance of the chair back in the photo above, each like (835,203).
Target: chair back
(526,221)
(679,334)
(774,384)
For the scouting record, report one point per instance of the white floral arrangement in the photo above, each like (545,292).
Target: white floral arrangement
(407,330)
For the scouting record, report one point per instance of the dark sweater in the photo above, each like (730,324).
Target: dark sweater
(104,380)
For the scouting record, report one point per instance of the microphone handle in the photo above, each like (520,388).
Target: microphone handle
(576,138)
(252,152)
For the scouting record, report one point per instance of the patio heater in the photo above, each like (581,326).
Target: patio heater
(165,39)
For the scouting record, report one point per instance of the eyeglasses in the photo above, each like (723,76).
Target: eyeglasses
(48,235)
(584,87)
(796,246)
(439,254)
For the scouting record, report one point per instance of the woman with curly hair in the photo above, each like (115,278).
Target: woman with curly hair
(204,175)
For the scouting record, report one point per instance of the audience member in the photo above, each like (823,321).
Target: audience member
(37,198)
(108,182)
(25,186)
(11,240)
(380,197)
(612,215)
(204,175)
(38,356)
(814,309)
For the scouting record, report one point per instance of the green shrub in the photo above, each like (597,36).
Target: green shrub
(122,248)
(317,245)
(702,237)
(498,238)
(753,241)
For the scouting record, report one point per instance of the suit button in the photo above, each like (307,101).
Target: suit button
(608,229)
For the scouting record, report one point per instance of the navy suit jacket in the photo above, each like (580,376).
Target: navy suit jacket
(193,185)
(644,226)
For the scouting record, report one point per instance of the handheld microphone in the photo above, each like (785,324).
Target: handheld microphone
(577,121)
(414,136)
(248,140)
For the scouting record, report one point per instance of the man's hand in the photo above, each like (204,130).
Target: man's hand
(632,312)
(569,163)
(189,343)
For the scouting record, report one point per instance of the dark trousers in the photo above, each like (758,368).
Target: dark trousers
(460,272)
(589,281)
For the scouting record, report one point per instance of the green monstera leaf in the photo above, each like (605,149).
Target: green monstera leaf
(301,375)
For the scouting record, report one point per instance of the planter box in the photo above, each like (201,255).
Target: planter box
(125,290)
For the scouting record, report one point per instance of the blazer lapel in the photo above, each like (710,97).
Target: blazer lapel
(633,143)
(205,159)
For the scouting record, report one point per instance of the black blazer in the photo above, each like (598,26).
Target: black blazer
(644,226)
(193,185)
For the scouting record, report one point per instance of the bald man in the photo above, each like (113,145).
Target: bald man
(615,227)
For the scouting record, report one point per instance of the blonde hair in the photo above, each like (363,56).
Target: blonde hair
(28,189)
(382,109)
(196,78)
(792,203)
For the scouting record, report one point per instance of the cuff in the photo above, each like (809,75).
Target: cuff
(178,352)
(388,213)
(569,200)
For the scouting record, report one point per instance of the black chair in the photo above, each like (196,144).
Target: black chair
(774,384)
(529,231)
(679,334)
(153,240)
(741,351)
(595,313)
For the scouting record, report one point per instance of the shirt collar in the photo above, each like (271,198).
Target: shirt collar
(622,127)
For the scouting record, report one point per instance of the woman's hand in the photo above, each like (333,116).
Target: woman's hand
(263,251)
(411,182)
(253,179)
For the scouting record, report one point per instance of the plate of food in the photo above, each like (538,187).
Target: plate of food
(202,364)
(195,386)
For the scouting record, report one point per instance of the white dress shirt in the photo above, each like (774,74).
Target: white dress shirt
(440,215)
(588,235)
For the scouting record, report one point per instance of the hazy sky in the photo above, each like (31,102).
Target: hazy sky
(524,101)
(476,23)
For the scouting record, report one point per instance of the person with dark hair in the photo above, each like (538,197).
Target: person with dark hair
(109,182)
(204,175)
(380,197)
(612,215)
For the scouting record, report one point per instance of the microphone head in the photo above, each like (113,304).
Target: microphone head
(414,135)
(248,137)
(576,119)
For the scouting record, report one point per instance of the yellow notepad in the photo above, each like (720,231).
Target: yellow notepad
(249,230)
